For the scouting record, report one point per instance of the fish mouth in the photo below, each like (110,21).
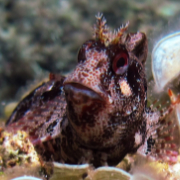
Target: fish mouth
(80,94)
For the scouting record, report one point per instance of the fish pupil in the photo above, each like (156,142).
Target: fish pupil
(121,62)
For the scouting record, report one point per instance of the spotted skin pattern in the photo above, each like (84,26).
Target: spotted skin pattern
(98,113)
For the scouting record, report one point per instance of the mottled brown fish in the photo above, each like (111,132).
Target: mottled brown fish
(98,113)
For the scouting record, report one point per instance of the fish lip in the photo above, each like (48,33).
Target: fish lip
(83,90)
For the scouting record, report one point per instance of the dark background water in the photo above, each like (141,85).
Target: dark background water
(38,36)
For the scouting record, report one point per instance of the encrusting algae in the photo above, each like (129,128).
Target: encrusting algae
(18,154)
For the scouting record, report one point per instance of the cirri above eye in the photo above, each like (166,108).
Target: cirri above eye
(120,63)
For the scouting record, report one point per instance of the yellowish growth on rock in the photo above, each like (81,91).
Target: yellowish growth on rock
(9,108)
(16,150)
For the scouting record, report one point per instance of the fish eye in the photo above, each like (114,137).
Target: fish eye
(120,63)
(81,55)
(82,51)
